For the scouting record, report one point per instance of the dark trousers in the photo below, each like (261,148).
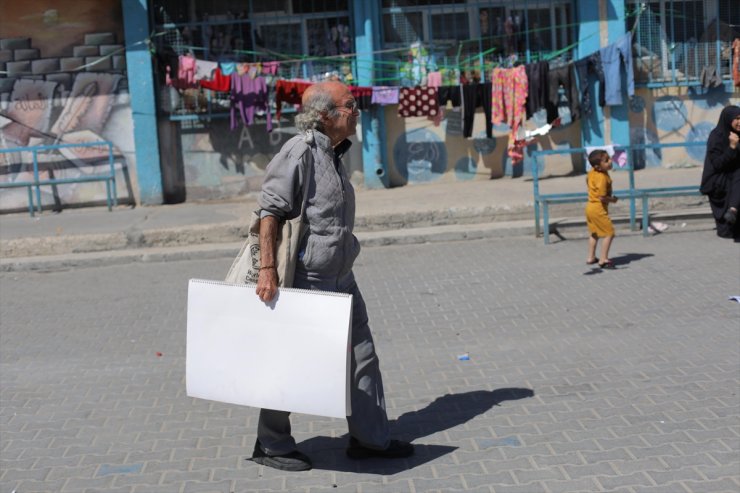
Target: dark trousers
(565,76)
(473,96)
(368,422)
(584,67)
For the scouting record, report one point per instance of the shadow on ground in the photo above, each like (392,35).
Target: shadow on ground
(619,262)
(443,413)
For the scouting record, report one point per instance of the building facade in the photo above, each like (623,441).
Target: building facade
(110,70)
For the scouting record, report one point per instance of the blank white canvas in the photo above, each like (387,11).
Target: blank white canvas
(290,355)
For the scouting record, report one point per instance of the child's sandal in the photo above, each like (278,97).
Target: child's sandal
(607,265)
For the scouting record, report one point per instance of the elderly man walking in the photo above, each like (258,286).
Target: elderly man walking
(328,117)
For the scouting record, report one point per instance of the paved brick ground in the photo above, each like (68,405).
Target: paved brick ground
(578,380)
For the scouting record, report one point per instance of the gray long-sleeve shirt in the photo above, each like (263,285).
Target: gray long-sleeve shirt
(328,249)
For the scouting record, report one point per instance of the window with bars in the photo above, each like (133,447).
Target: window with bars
(675,41)
(308,37)
(471,34)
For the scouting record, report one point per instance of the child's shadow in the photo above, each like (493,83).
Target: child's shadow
(619,262)
(443,413)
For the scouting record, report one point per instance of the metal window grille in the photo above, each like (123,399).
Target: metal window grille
(310,38)
(676,40)
(470,35)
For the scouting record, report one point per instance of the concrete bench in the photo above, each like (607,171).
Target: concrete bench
(109,177)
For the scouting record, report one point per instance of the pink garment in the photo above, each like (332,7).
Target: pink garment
(434,79)
(185,72)
(508,98)
(384,95)
(247,96)
(270,68)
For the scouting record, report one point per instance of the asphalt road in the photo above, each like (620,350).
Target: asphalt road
(578,380)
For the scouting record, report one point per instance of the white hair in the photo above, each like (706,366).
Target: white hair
(318,104)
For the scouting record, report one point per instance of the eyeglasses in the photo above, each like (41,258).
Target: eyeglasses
(350,105)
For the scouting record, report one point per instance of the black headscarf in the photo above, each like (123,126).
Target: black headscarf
(720,158)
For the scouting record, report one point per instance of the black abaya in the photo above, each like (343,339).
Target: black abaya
(720,180)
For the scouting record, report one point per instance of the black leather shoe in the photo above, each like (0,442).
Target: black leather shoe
(293,461)
(396,450)
(730,216)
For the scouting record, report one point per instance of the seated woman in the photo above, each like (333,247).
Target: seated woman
(720,180)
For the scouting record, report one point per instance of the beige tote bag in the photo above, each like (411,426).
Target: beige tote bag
(246,265)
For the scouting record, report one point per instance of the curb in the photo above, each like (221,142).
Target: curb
(576,229)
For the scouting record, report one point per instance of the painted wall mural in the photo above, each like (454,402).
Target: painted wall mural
(63,81)
(675,115)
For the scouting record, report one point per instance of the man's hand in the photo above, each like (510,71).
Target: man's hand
(267,284)
(734,140)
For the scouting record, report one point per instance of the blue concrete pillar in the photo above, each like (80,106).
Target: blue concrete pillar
(619,116)
(143,105)
(367,18)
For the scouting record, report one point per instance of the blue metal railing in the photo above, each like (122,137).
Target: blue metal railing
(632,192)
(37,183)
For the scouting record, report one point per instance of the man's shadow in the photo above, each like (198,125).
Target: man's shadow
(619,262)
(443,413)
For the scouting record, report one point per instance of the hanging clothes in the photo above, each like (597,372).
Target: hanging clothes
(537,88)
(509,97)
(204,69)
(185,78)
(709,77)
(248,95)
(363,96)
(417,101)
(612,57)
(585,67)
(168,62)
(384,95)
(736,62)
(474,96)
(565,76)
(434,79)
(227,68)
(290,92)
(270,68)
(219,82)
(451,94)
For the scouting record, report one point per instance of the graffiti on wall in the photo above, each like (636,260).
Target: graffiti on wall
(75,96)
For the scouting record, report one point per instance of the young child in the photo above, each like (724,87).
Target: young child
(597,210)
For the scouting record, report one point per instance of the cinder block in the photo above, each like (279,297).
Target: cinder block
(26,54)
(109,49)
(97,39)
(64,80)
(18,68)
(119,62)
(70,63)
(6,84)
(45,66)
(15,43)
(100,64)
(6,55)
(85,51)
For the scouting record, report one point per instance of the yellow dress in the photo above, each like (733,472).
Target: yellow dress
(597,213)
